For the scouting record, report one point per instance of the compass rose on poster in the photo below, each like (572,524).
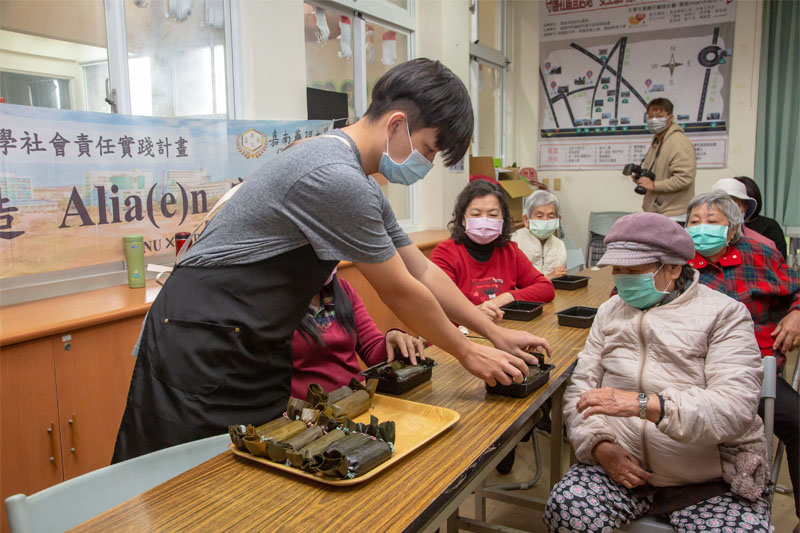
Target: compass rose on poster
(672,65)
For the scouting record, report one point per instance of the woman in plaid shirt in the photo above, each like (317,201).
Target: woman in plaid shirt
(757,276)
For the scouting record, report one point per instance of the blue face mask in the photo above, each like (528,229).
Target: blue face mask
(708,238)
(639,290)
(409,171)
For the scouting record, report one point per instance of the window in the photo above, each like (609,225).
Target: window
(57,61)
(176,58)
(336,62)
(488,77)
(329,51)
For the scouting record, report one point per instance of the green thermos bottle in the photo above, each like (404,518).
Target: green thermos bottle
(134,258)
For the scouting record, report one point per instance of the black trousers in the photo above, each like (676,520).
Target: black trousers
(787,429)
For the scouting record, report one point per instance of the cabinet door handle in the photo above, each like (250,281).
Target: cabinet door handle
(73,426)
(52,443)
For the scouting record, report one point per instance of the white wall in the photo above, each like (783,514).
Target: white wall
(273,64)
(586,191)
(444,28)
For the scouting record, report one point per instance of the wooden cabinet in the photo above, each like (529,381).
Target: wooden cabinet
(30,456)
(61,402)
(93,372)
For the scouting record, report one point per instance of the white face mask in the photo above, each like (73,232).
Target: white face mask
(656,124)
(542,229)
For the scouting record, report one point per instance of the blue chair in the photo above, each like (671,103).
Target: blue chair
(64,506)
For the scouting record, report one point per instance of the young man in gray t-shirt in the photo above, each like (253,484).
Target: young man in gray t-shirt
(216,345)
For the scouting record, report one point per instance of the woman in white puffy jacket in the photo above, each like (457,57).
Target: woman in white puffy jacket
(661,407)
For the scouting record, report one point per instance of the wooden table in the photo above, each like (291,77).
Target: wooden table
(417,494)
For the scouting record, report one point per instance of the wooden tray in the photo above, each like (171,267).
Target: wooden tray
(415,425)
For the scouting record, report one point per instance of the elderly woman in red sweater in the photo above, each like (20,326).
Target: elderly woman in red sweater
(335,331)
(480,257)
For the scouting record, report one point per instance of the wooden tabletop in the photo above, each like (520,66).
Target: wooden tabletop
(229,493)
(40,318)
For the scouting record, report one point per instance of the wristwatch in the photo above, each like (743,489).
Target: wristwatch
(642,397)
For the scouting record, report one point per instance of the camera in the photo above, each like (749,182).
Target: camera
(636,172)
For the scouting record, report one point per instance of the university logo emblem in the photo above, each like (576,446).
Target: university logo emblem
(251,144)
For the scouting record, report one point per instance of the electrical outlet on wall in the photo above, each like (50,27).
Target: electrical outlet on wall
(557,184)
(546,182)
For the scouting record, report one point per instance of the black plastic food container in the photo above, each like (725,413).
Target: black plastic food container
(521,310)
(570,283)
(527,387)
(577,317)
(401,385)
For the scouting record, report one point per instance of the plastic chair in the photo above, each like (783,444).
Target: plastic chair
(599,225)
(654,524)
(575,259)
(777,461)
(64,506)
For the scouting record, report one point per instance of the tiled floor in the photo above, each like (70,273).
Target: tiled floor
(530,520)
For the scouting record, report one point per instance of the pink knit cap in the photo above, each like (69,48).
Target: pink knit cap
(642,238)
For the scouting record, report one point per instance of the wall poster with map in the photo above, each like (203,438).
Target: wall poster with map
(601,61)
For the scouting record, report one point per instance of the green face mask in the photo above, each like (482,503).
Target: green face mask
(542,229)
(639,290)
(708,238)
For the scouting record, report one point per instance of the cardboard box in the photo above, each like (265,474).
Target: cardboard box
(515,188)
(483,166)
(516,192)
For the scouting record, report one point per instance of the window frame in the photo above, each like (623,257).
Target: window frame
(491,57)
(390,16)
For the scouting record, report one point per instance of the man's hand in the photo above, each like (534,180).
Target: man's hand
(491,310)
(520,344)
(410,347)
(646,183)
(787,334)
(494,366)
(620,465)
(557,272)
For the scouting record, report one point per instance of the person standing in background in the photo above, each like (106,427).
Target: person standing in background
(671,158)
(768,227)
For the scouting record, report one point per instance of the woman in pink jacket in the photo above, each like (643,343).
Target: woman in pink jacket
(661,408)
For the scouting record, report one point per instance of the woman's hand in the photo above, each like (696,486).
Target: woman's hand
(557,272)
(787,334)
(620,465)
(410,347)
(608,401)
(491,310)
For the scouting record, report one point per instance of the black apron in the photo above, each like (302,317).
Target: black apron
(216,349)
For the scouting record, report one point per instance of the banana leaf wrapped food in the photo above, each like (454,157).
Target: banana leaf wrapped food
(399,369)
(331,456)
(277,451)
(339,394)
(256,440)
(295,407)
(304,457)
(237,433)
(316,395)
(359,461)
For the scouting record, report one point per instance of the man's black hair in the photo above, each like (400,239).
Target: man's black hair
(752,191)
(661,103)
(478,189)
(431,96)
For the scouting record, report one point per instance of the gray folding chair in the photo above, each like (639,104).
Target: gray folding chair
(654,524)
(599,225)
(64,506)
